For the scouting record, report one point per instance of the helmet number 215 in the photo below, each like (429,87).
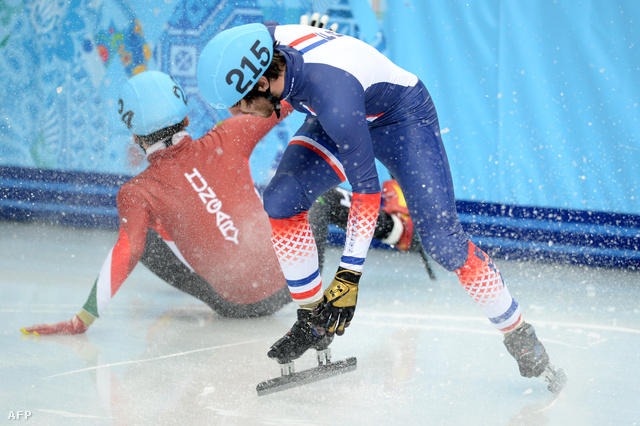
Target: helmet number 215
(240,86)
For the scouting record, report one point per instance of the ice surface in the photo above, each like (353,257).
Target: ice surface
(426,355)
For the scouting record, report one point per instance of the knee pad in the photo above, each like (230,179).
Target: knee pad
(284,197)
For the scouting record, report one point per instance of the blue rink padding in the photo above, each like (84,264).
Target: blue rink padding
(518,232)
(60,197)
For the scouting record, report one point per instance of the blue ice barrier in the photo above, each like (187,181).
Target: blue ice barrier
(60,197)
(517,232)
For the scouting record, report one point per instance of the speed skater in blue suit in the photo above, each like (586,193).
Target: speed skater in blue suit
(360,107)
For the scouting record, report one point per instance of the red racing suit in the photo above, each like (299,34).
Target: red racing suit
(200,198)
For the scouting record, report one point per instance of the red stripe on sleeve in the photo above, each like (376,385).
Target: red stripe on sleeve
(301,40)
(323,155)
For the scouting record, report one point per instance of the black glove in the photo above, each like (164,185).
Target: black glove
(338,304)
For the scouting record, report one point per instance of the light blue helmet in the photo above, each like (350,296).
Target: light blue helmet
(151,101)
(232,62)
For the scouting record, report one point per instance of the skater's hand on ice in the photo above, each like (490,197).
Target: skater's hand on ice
(338,304)
(73,326)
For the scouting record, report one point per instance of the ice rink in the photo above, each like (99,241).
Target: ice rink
(426,355)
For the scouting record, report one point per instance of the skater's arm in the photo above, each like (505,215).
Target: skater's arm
(245,131)
(123,257)
(338,304)
(135,220)
(343,119)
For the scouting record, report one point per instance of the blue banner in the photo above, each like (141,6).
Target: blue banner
(538,99)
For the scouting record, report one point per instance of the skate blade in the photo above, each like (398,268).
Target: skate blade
(307,376)
(556,379)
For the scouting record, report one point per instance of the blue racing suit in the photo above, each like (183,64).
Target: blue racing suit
(360,107)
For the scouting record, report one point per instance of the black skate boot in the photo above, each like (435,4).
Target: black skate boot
(525,347)
(298,340)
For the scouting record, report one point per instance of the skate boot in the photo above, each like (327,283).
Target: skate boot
(532,358)
(298,340)
(292,346)
(529,353)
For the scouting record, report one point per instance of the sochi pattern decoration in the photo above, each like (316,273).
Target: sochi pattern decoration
(62,63)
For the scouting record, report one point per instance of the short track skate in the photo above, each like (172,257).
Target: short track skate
(555,378)
(289,378)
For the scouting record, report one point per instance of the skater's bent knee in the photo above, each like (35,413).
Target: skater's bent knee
(450,253)
(284,197)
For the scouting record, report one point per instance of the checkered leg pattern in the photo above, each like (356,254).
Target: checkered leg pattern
(297,253)
(483,282)
(363,216)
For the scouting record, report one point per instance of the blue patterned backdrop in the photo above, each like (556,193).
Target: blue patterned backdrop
(62,64)
(538,100)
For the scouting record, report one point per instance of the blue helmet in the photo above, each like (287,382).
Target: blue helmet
(151,101)
(232,62)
